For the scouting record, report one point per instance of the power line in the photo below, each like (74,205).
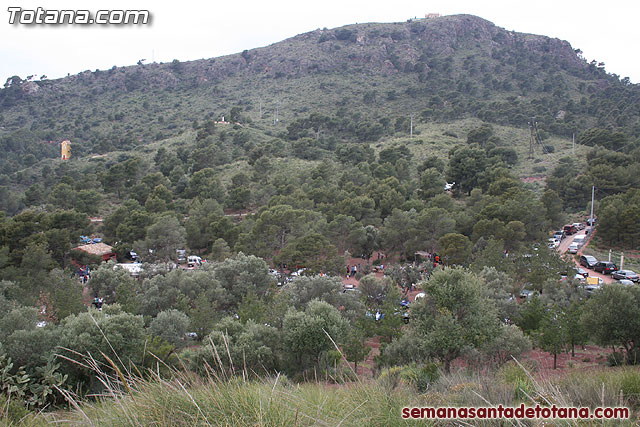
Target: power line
(531,137)
(621,101)
(539,140)
(534,138)
(411,131)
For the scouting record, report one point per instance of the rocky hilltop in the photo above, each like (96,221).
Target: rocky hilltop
(443,68)
(373,48)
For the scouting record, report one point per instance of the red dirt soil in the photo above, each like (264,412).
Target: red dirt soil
(532,178)
(590,357)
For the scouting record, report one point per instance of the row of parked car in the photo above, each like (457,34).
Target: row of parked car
(558,236)
(569,230)
(283,278)
(608,267)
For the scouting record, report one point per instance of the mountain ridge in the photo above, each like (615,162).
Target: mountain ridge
(443,69)
(438,34)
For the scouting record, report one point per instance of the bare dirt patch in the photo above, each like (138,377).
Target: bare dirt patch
(532,178)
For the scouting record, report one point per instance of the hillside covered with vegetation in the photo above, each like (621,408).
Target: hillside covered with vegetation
(334,151)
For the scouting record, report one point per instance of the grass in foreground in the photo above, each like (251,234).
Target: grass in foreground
(188,400)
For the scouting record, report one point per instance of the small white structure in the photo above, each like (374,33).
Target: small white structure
(134,269)
(448,187)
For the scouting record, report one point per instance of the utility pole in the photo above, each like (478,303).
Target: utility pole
(275,117)
(531,138)
(593,188)
(622,261)
(411,131)
(609,255)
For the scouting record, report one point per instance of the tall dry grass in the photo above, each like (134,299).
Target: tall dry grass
(186,400)
(225,398)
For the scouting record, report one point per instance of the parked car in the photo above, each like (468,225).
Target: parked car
(573,248)
(588,261)
(194,261)
(569,229)
(558,235)
(625,274)
(527,293)
(605,267)
(582,272)
(580,240)
(181,255)
(349,287)
(592,288)
(298,272)
(378,315)
(133,256)
(283,279)
(592,223)
(578,225)
(625,282)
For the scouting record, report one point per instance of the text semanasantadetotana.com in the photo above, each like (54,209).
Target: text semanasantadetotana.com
(40,16)
(518,412)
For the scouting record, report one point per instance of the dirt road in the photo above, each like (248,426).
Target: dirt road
(564,247)
(566,242)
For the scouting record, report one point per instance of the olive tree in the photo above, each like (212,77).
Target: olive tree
(171,326)
(96,335)
(307,333)
(612,315)
(455,315)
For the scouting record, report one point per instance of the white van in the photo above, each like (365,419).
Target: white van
(573,248)
(580,239)
(194,261)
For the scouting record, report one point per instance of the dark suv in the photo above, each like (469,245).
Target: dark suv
(605,267)
(588,261)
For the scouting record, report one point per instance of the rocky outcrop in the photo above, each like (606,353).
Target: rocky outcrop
(370,48)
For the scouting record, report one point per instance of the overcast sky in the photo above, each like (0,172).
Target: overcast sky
(192,30)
